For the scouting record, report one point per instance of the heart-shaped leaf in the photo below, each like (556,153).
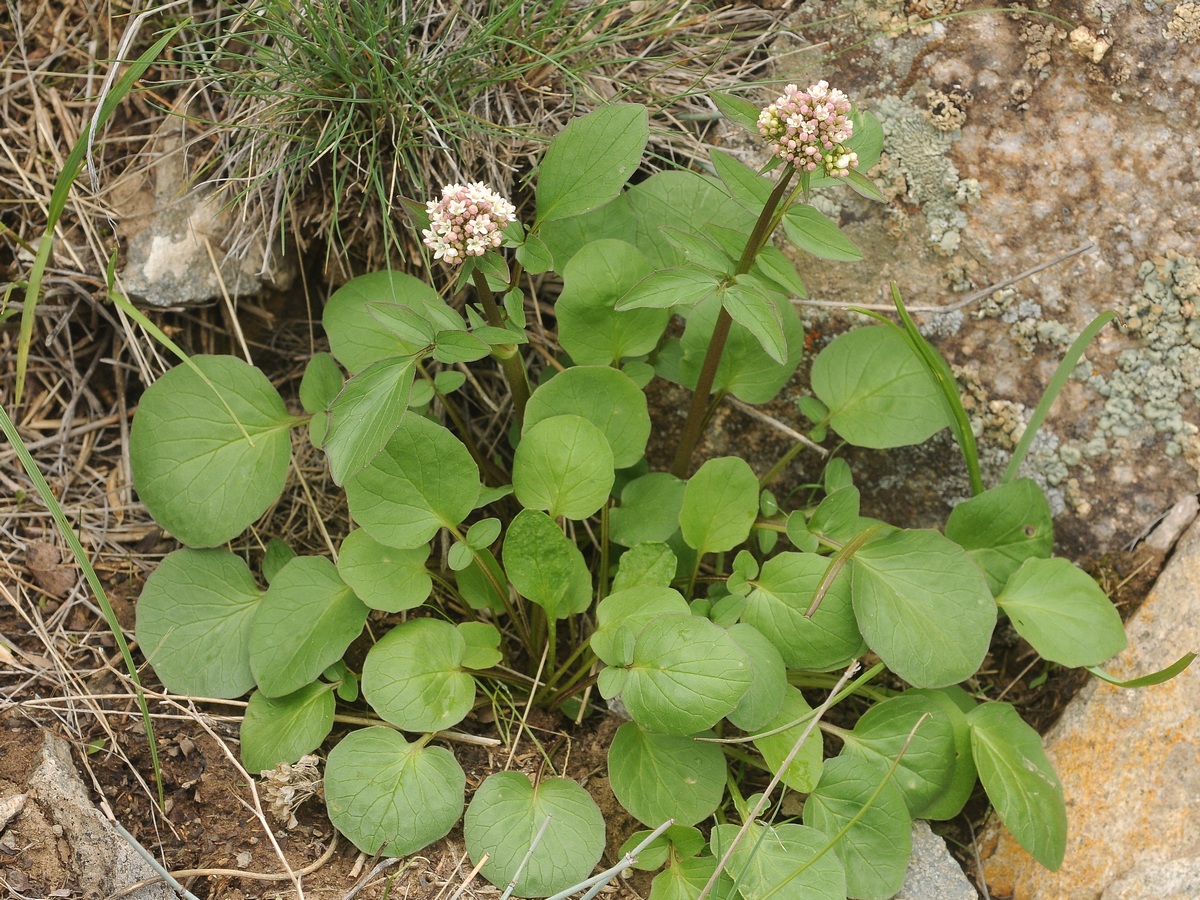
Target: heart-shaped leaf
(563,465)
(282,729)
(720,505)
(665,776)
(1003,527)
(604,396)
(384,577)
(414,678)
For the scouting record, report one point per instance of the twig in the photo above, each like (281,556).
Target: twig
(781,427)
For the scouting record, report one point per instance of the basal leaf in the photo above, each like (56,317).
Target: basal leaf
(414,677)
(1003,527)
(923,606)
(563,465)
(676,199)
(629,610)
(282,729)
(875,850)
(685,879)
(384,577)
(648,511)
(590,160)
(665,776)
(955,704)
(389,796)
(1063,613)
(193,623)
(505,816)
(209,457)
(305,622)
(604,396)
(1020,781)
(786,862)
(805,769)
(647,565)
(720,505)
(545,566)
(761,703)
(424,479)
(321,382)
(878,391)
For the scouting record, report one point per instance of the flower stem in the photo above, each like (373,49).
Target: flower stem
(698,413)
(510,361)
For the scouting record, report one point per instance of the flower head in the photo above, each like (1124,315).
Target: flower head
(810,129)
(467,221)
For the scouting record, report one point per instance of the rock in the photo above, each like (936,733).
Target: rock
(102,861)
(933,874)
(1129,761)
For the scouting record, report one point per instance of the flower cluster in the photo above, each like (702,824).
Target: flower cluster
(467,221)
(810,128)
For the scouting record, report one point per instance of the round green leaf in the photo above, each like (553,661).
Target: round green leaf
(955,704)
(589,326)
(645,565)
(604,396)
(424,479)
(924,606)
(805,770)
(781,596)
(1003,527)
(305,622)
(1020,781)
(1063,613)
(875,850)
(665,776)
(356,336)
(193,623)
(878,391)
(786,861)
(282,729)
(321,382)
(413,677)
(384,577)
(209,449)
(649,510)
(927,766)
(389,796)
(761,703)
(720,505)
(686,674)
(545,566)
(563,465)
(628,610)
(505,816)
(483,644)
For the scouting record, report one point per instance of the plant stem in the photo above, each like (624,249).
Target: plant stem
(511,363)
(699,411)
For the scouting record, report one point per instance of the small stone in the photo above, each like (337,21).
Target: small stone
(10,808)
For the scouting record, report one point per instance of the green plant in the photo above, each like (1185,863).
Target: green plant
(701,606)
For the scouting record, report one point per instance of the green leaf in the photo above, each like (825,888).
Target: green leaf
(590,328)
(785,861)
(590,160)
(483,533)
(759,314)
(604,396)
(365,414)
(685,879)
(745,370)
(813,232)
(507,813)
(665,776)
(651,564)
(563,465)
(875,849)
(321,382)
(277,556)
(353,313)
(955,703)
(737,109)
(776,267)
(413,677)
(878,391)
(923,606)
(761,703)
(649,510)
(667,201)
(384,577)
(805,769)
(193,623)
(476,588)
(627,611)
(669,288)
(459,556)
(864,186)
(483,644)
(389,796)
(720,505)
(782,594)
(681,841)
(1020,781)
(282,729)
(744,184)
(1063,613)
(459,346)
(925,769)
(1003,527)
(534,255)
(1153,678)
(209,457)
(424,479)
(305,622)
(545,566)
(685,675)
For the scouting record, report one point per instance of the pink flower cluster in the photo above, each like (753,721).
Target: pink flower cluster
(467,221)
(810,128)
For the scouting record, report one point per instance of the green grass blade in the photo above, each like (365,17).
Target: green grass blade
(93,580)
(58,201)
(1057,383)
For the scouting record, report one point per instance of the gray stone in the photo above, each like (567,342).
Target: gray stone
(102,860)
(933,874)
(1178,879)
